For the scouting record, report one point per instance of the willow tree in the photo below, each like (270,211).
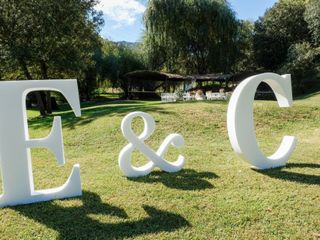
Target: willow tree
(190,36)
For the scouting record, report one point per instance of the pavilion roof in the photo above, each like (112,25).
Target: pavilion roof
(162,76)
(156,76)
(213,77)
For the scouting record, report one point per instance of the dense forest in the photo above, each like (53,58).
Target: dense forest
(60,39)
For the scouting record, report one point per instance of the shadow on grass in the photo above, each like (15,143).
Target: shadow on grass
(92,112)
(74,222)
(280,173)
(186,179)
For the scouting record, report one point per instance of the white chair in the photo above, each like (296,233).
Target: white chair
(228,95)
(164,97)
(188,97)
(215,96)
(169,97)
(218,95)
(222,96)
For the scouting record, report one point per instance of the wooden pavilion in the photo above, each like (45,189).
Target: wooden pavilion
(150,84)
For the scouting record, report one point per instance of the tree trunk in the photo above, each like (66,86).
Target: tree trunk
(48,102)
(27,74)
(125,88)
(44,73)
(40,104)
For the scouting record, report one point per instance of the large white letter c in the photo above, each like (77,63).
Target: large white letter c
(241,126)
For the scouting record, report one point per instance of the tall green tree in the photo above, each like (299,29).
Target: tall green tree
(282,26)
(120,60)
(191,36)
(286,40)
(245,53)
(49,39)
(303,64)
(312,17)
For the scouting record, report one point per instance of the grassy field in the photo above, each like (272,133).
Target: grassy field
(216,196)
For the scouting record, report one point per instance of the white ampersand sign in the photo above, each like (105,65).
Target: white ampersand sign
(156,159)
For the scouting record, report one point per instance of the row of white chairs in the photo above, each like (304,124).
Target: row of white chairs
(218,96)
(188,97)
(173,97)
(169,97)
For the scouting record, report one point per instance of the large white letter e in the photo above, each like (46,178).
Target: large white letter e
(15,144)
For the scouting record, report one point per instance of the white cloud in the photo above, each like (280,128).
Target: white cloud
(124,12)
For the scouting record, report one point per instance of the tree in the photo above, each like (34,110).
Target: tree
(282,26)
(190,36)
(303,63)
(245,54)
(93,72)
(286,40)
(312,17)
(49,39)
(120,60)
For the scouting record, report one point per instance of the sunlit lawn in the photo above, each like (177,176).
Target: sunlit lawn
(217,196)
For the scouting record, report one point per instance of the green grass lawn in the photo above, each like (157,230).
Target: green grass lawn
(216,196)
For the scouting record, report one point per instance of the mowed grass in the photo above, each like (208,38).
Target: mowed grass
(216,196)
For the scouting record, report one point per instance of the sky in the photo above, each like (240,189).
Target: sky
(123,18)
